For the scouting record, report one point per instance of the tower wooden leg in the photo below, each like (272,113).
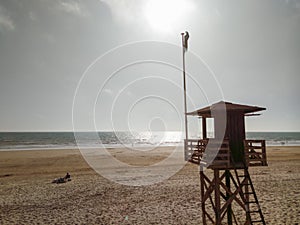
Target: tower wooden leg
(202,196)
(217,196)
(229,216)
(222,191)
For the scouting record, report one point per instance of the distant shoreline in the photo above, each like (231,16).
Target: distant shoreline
(75,148)
(12,141)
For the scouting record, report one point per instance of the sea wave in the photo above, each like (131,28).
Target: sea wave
(69,140)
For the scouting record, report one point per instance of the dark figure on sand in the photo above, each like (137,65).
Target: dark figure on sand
(68,176)
(62,179)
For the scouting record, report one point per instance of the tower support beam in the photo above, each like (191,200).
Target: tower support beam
(218,197)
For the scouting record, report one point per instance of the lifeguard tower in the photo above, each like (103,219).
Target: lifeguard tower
(227,192)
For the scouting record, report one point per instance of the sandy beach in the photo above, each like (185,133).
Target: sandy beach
(27,195)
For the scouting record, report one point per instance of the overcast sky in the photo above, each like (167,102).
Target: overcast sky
(115,64)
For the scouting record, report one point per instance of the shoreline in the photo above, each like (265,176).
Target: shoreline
(114,146)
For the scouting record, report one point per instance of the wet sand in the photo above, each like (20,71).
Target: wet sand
(27,195)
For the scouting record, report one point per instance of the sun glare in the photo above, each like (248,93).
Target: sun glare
(166,15)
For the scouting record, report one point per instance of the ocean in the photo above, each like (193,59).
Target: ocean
(67,140)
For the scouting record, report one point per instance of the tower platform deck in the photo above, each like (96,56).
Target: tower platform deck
(214,154)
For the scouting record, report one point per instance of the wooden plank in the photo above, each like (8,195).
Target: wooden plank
(252,153)
(253,147)
(204,130)
(202,197)
(217,196)
(254,160)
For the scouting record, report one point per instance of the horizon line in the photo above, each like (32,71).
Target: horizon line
(72,131)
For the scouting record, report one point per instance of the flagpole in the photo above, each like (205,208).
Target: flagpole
(184,48)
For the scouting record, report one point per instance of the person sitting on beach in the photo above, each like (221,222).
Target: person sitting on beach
(67,177)
(62,179)
(59,180)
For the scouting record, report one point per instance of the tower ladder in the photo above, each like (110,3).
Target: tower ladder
(250,211)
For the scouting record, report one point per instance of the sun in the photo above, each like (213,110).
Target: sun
(166,15)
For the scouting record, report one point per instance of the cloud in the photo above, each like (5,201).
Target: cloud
(6,23)
(126,10)
(73,7)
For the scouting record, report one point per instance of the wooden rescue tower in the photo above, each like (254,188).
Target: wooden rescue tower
(227,192)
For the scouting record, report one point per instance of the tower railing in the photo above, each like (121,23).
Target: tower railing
(196,151)
(255,152)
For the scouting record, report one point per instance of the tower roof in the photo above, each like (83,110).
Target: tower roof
(219,106)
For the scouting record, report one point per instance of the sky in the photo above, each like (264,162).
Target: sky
(117,64)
